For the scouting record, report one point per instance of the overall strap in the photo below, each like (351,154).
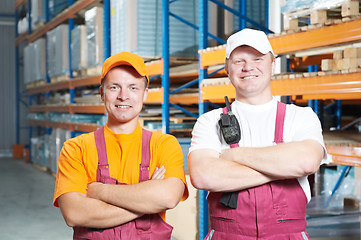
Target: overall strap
(103,170)
(225,111)
(144,166)
(280,117)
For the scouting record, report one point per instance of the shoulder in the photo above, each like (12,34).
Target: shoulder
(79,141)
(160,138)
(300,112)
(213,114)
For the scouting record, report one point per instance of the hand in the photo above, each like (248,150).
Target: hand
(94,190)
(158,173)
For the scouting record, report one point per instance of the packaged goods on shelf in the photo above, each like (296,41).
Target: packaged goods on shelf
(58,51)
(59,98)
(38,150)
(23,25)
(56,140)
(39,59)
(37,116)
(294,5)
(79,52)
(85,118)
(56,7)
(27,61)
(34,61)
(136,26)
(331,176)
(38,12)
(94,27)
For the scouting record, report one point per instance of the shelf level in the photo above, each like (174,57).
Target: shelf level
(345,155)
(70,108)
(321,37)
(335,86)
(81,127)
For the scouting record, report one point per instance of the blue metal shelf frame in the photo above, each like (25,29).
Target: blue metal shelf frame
(17,81)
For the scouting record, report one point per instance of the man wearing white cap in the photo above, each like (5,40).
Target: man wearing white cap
(279,146)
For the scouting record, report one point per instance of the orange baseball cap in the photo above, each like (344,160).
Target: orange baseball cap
(125,58)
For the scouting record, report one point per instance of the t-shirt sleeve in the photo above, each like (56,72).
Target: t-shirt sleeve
(309,127)
(206,133)
(71,174)
(171,157)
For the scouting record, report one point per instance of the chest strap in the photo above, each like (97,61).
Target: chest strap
(103,165)
(280,118)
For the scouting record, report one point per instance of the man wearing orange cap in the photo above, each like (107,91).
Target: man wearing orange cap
(117,182)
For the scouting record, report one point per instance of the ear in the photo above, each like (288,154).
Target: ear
(273,66)
(101,90)
(145,95)
(226,66)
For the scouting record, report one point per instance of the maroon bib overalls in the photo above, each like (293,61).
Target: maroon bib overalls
(273,211)
(147,227)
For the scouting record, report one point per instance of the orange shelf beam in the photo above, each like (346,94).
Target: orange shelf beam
(155,97)
(340,33)
(83,127)
(216,93)
(19,2)
(339,86)
(184,99)
(319,86)
(72,83)
(321,37)
(86,81)
(345,155)
(95,109)
(37,109)
(212,57)
(155,68)
(21,38)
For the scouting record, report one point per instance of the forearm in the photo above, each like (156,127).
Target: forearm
(282,161)
(147,197)
(79,210)
(208,172)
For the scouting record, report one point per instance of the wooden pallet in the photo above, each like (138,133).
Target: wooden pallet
(313,74)
(177,120)
(60,78)
(94,70)
(36,84)
(346,59)
(310,18)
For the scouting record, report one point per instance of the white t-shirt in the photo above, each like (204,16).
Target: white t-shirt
(257,124)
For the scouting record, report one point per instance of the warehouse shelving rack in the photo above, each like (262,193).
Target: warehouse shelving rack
(66,15)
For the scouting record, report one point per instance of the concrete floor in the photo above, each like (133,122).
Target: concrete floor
(26,210)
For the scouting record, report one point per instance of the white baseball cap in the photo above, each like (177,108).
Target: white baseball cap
(250,37)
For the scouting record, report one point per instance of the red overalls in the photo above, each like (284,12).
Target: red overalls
(147,227)
(273,211)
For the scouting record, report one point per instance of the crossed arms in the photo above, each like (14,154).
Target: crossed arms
(244,167)
(107,205)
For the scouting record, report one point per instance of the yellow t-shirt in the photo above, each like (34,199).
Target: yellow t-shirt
(78,160)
